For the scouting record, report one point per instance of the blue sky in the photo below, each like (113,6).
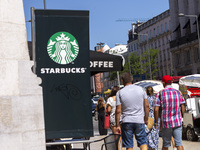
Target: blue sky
(104,14)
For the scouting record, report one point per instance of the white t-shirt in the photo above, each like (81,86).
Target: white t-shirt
(112,103)
(132,103)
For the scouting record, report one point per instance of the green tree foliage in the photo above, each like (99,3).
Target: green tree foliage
(153,61)
(126,67)
(135,64)
(140,67)
(113,75)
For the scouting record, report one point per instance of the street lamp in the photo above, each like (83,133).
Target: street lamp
(129,61)
(45,4)
(196,17)
(148,52)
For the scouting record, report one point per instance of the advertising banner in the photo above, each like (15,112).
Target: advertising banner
(62,62)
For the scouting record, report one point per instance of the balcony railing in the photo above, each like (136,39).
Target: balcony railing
(183,40)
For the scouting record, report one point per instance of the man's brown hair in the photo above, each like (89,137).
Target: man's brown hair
(126,78)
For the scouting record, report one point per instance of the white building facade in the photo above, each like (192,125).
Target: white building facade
(153,34)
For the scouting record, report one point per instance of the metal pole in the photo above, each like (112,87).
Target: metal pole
(149,56)
(118,78)
(94,85)
(44,4)
(129,62)
(33,37)
(140,55)
(198,33)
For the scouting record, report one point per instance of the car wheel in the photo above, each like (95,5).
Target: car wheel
(191,136)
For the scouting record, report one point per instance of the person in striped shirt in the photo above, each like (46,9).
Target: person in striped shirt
(169,104)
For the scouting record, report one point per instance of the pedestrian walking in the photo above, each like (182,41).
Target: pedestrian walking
(152,134)
(132,103)
(101,107)
(111,107)
(171,104)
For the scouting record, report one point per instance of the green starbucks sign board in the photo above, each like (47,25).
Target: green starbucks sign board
(63,48)
(62,62)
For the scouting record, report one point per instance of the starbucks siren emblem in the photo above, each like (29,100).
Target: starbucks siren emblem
(62,48)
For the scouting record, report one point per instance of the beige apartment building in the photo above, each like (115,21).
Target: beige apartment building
(184,43)
(155,34)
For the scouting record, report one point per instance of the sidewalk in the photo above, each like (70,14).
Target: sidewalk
(97,146)
(186,144)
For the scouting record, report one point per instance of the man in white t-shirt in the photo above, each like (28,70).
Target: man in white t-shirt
(132,104)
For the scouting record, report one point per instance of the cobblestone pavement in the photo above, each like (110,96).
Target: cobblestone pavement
(97,146)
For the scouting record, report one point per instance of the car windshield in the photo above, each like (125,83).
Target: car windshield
(95,98)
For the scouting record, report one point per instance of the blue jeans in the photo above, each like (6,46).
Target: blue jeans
(130,129)
(167,134)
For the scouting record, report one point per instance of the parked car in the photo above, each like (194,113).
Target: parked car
(93,108)
(95,99)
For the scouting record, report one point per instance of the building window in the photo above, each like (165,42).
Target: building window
(150,34)
(196,54)
(168,54)
(166,28)
(158,32)
(144,37)
(162,30)
(160,57)
(167,39)
(188,57)
(178,59)
(163,41)
(158,43)
(155,44)
(164,56)
(141,38)
(154,32)
(161,74)
(151,45)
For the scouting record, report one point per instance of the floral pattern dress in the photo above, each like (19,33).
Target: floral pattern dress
(153,134)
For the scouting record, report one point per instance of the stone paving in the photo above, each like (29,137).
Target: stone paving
(97,146)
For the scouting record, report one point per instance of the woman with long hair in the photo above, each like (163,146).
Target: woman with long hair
(101,108)
(152,134)
(111,107)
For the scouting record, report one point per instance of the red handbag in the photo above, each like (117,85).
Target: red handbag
(106,121)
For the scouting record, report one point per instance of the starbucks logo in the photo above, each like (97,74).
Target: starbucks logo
(62,48)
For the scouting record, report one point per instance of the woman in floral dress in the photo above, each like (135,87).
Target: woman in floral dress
(152,134)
